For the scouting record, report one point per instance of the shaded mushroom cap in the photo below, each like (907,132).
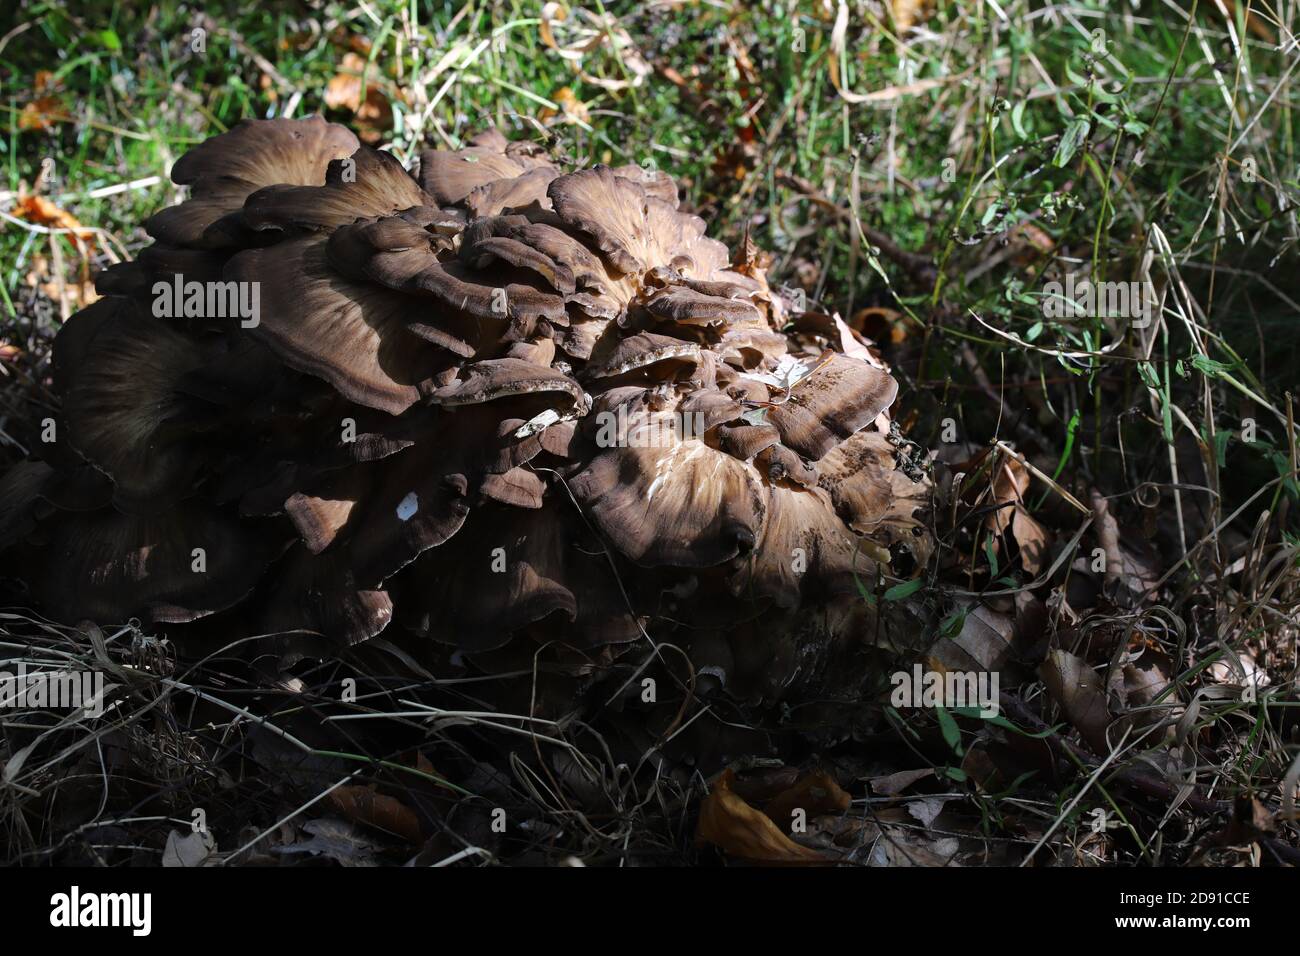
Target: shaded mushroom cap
(400,256)
(297,452)
(488,240)
(184,564)
(20,490)
(316,607)
(122,405)
(158,263)
(421,497)
(571,257)
(416,506)
(510,564)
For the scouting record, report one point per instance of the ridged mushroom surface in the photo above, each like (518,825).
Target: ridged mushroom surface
(490,399)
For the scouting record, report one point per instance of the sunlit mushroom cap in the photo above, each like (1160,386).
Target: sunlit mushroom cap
(225,170)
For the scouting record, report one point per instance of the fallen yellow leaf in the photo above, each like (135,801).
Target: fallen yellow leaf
(739,830)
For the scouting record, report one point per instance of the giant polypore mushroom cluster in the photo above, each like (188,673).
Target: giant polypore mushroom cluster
(491,399)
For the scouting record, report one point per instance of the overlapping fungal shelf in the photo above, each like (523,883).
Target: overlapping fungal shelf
(495,399)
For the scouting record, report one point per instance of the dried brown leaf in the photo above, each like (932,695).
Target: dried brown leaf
(1010,482)
(363,805)
(41,113)
(906,12)
(572,109)
(815,793)
(896,783)
(739,830)
(1079,691)
(984,642)
(373,114)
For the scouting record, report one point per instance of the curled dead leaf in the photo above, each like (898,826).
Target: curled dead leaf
(1010,482)
(907,12)
(1078,690)
(364,805)
(42,113)
(44,212)
(572,109)
(880,324)
(1141,683)
(984,643)
(739,830)
(815,793)
(373,113)
(896,783)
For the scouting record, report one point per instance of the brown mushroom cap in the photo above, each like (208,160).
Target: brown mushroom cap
(873,496)
(513,193)
(837,399)
(489,240)
(619,354)
(184,564)
(497,398)
(400,256)
(520,487)
(633,231)
(122,403)
(352,335)
(512,562)
(665,498)
(656,183)
(684,306)
(502,378)
(804,552)
(745,441)
(367,183)
(607,208)
(779,463)
(449,176)
(225,170)
(321,514)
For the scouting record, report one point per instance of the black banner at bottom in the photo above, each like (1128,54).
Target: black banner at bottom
(216,906)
